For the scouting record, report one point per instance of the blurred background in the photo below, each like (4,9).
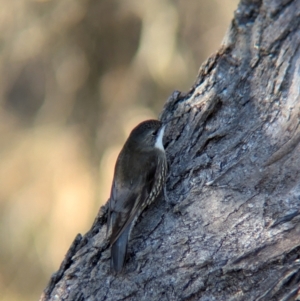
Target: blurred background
(75,77)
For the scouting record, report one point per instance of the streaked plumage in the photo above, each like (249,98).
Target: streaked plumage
(140,173)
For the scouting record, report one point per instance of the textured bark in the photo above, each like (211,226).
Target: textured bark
(229,229)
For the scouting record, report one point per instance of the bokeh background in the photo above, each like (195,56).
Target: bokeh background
(75,77)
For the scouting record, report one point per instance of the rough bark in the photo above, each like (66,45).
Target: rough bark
(230,227)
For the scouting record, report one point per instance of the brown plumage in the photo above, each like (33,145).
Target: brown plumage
(140,174)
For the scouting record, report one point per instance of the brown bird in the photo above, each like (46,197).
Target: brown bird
(140,173)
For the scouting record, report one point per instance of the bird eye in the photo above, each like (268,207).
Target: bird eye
(154,133)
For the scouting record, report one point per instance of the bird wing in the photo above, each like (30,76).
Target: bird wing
(127,200)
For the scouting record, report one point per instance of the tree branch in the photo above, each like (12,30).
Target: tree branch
(231,228)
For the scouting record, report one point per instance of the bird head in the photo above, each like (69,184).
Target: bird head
(147,136)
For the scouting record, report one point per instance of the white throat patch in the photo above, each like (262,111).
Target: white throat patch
(159,139)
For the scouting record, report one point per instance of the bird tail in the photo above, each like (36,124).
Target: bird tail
(119,250)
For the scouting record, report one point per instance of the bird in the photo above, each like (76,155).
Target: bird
(139,176)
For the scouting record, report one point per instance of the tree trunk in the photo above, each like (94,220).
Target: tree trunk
(229,227)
